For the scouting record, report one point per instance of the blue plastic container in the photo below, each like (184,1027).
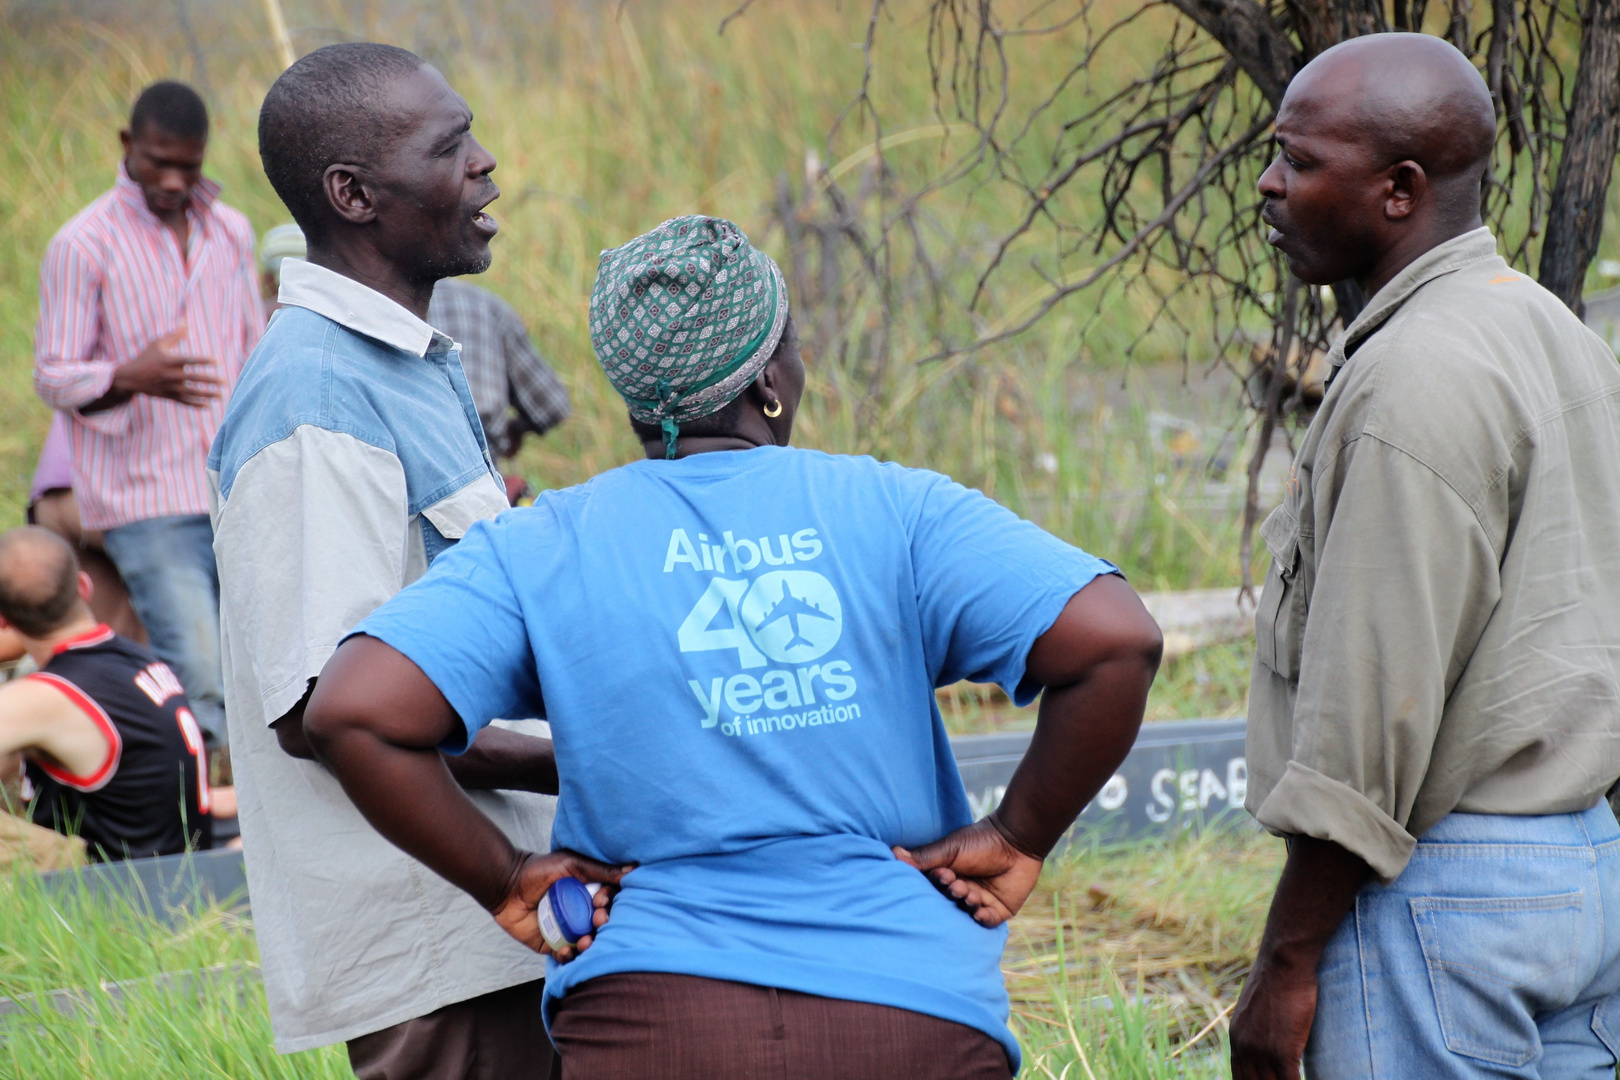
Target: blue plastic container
(565,912)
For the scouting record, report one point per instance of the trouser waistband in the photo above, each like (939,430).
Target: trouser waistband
(1583,828)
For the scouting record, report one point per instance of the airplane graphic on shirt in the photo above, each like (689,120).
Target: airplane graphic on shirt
(794,610)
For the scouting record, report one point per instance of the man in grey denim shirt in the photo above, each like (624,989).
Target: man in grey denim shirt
(1436,698)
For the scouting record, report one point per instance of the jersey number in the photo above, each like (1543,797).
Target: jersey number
(190,732)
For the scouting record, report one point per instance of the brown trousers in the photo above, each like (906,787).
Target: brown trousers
(499,1036)
(676,1027)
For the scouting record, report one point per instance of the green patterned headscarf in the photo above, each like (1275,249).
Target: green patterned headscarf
(684,317)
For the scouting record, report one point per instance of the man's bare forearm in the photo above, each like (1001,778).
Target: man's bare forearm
(1277,1008)
(1319,883)
(508,761)
(290,729)
(110,400)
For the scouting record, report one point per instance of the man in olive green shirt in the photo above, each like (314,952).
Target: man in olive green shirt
(1435,708)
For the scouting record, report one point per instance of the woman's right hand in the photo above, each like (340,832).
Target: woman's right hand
(519,913)
(977,867)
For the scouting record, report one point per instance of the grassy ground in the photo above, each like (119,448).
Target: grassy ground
(52,943)
(1121,958)
(1126,962)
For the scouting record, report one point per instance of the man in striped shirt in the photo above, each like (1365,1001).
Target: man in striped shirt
(148,307)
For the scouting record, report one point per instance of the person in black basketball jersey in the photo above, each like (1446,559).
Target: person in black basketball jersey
(113,752)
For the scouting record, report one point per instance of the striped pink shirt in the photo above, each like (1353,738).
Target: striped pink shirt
(113,281)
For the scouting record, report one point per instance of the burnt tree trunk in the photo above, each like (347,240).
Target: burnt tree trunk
(1575,217)
(1251,37)
(1322,24)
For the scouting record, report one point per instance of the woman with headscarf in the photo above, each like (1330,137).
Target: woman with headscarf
(737,644)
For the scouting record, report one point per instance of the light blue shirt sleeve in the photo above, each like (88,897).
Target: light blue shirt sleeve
(988,584)
(463,625)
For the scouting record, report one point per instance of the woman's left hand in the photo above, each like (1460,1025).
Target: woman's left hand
(976,867)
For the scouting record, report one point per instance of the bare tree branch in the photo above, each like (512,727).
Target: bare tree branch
(1142,236)
(1252,38)
(1146,185)
(1575,223)
(739,12)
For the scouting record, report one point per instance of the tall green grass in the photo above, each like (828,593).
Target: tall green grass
(218,1027)
(1084,1004)
(606,119)
(1126,961)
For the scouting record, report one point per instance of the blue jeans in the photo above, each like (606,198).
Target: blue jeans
(1496,953)
(168,564)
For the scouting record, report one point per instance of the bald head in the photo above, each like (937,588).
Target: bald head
(1403,97)
(1384,140)
(39,581)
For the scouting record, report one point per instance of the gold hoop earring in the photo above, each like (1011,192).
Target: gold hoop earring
(773,409)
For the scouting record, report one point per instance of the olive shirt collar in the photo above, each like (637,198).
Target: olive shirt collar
(1438,261)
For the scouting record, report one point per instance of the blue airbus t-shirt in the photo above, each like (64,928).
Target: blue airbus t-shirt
(738,652)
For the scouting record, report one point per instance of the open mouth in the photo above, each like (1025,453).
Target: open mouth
(1274,235)
(481,220)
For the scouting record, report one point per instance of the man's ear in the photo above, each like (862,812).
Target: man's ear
(348,195)
(87,588)
(1407,186)
(126,140)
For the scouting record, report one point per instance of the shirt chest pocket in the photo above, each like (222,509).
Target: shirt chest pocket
(454,514)
(446,521)
(1279,622)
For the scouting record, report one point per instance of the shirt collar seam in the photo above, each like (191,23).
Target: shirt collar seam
(1363,327)
(99,634)
(340,322)
(323,296)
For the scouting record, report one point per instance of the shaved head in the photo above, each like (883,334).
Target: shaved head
(1402,96)
(39,581)
(1385,140)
